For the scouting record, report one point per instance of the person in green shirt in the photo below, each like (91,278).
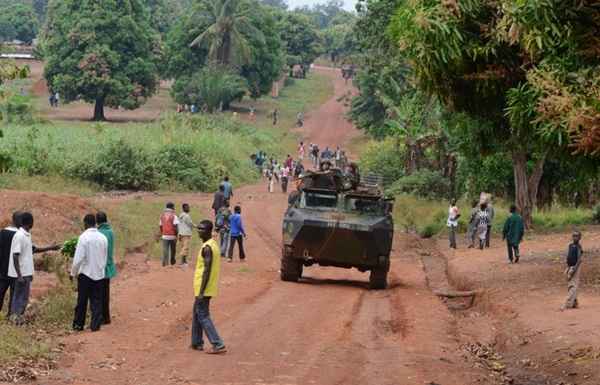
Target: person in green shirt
(111,270)
(514,229)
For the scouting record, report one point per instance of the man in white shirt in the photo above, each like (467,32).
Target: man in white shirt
(89,265)
(20,267)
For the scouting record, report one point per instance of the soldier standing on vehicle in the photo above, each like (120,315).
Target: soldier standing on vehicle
(573,272)
(206,285)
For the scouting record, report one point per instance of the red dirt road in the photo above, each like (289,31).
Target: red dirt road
(327,329)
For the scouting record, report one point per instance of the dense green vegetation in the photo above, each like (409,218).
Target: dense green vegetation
(490,96)
(18,21)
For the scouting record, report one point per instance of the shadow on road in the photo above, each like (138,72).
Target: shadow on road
(337,282)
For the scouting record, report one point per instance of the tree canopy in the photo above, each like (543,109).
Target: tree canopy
(102,52)
(18,21)
(251,49)
(514,78)
(302,41)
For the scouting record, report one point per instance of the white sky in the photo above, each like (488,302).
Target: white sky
(348,4)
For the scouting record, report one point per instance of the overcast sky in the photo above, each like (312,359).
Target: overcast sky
(348,4)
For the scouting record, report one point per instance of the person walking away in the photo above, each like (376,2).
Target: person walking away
(275,116)
(491,213)
(472,228)
(300,119)
(482,224)
(237,234)
(227,188)
(276,171)
(269,175)
(452,223)
(169,229)
(89,267)
(218,199)
(285,174)
(301,151)
(252,113)
(299,169)
(316,152)
(573,272)
(185,232)
(7,284)
(111,269)
(223,227)
(206,286)
(513,232)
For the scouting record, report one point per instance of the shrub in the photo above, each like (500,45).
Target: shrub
(424,184)
(6,161)
(181,163)
(384,158)
(210,88)
(118,166)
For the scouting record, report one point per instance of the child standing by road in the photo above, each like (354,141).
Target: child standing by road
(573,272)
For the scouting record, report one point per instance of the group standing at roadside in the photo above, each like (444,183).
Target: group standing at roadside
(93,267)
(480,226)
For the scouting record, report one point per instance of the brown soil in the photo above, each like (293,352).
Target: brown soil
(329,329)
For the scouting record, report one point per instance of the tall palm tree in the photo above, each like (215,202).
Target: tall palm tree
(227,35)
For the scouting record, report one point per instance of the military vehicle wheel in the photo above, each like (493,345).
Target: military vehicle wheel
(378,277)
(291,269)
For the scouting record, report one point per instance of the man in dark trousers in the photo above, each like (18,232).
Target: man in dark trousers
(89,266)
(218,199)
(206,285)
(573,272)
(513,231)
(237,234)
(7,283)
(111,269)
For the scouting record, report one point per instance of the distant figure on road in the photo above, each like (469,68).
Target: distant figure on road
(300,119)
(573,271)
(513,231)
(169,230)
(223,227)
(218,199)
(227,188)
(185,232)
(275,116)
(206,286)
(237,234)
(472,228)
(301,151)
(482,224)
(452,223)
(111,269)
(491,213)
(89,266)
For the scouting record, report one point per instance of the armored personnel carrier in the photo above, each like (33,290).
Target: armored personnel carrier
(334,219)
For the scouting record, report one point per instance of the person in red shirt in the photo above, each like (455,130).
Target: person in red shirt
(169,230)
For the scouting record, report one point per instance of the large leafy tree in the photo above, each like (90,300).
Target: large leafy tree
(302,41)
(517,65)
(228,33)
(260,61)
(18,21)
(102,52)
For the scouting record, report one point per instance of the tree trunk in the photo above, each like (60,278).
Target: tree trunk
(526,187)
(99,110)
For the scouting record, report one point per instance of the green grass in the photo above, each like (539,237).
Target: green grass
(47,183)
(51,317)
(428,217)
